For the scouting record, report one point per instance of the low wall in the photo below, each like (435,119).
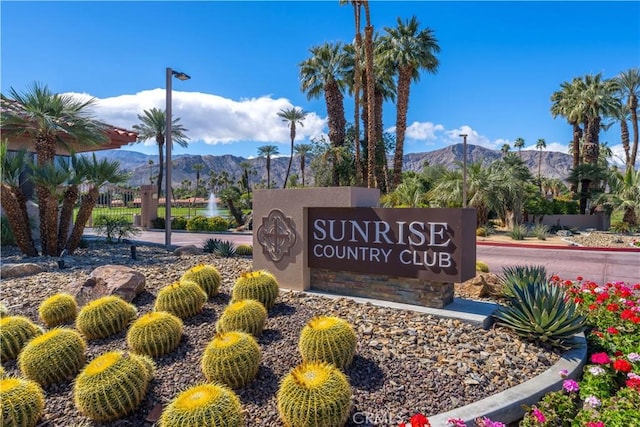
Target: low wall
(387,288)
(600,221)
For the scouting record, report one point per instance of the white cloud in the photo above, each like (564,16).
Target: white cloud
(211,118)
(423,131)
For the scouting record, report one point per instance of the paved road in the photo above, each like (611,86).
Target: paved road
(598,266)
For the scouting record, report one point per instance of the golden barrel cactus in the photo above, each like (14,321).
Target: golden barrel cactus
(246,315)
(53,357)
(314,394)
(155,334)
(183,299)
(205,405)
(15,331)
(329,339)
(113,385)
(206,276)
(104,317)
(22,402)
(258,285)
(58,309)
(231,358)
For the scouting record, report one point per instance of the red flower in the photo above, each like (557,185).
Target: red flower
(578,300)
(602,297)
(600,358)
(593,307)
(622,365)
(633,383)
(555,279)
(626,314)
(612,330)
(419,420)
(613,307)
(579,278)
(618,353)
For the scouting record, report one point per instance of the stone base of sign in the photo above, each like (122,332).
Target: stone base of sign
(388,288)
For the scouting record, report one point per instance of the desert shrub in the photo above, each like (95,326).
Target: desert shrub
(541,231)
(519,232)
(244,250)
(158,223)
(225,249)
(482,267)
(519,276)
(198,223)
(218,223)
(178,223)
(210,245)
(115,228)
(621,227)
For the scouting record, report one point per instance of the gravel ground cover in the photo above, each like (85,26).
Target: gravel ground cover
(406,362)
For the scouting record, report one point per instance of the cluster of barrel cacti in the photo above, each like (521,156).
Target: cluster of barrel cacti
(22,402)
(104,317)
(184,299)
(113,385)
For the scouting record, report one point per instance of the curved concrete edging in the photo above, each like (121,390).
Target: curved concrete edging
(543,246)
(506,406)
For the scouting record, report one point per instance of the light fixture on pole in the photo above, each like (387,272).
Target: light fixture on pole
(168,144)
(464,169)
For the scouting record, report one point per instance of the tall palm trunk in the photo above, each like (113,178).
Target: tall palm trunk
(356,92)
(382,169)
(87,204)
(371,103)
(591,148)
(577,136)
(66,215)
(624,138)
(633,105)
(14,205)
(51,218)
(160,143)
(292,134)
(268,172)
(45,152)
(404,83)
(302,165)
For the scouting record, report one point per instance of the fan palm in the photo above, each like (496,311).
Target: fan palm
(585,174)
(268,151)
(153,125)
(629,85)
(98,173)
(302,150)
(76,174)
(625,189)
(14,202)
(565,103)
(540,144)
(51,178)
(50,121)
(293,116)
(519,144)
(198,168)
(505,149)
(410,50)
(598,100)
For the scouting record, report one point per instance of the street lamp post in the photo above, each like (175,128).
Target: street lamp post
(168,143)
(464,169)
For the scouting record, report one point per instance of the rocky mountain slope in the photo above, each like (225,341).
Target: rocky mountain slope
(554,164)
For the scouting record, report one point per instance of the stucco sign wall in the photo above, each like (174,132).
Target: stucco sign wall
(430,244)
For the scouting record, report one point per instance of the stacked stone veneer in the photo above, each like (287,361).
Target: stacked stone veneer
(388,288)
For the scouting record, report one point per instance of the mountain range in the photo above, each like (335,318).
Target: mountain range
(142,166)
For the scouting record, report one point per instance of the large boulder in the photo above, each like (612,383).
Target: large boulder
(10,271)
(187,250)
(481,286)
(119,280)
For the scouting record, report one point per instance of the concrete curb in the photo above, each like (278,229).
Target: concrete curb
(506,406)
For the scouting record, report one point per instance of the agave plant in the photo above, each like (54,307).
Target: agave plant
(225,249)
(540,311)
(211,245)
(517,276)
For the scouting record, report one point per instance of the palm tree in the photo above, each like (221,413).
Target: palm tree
(621,114)
(540,144)
(98,173)
(51,178)
(598,100)
(152,126)
(268,151)
(625,189)
(629,85)
(197,167)
(302,150)
(371,98)
(293,116)
(244,180)
(565,103)
(50,121)
(14,202)
(505,149)
(519,143)
(150,162)
(584,175)
(410,50)
(76,174)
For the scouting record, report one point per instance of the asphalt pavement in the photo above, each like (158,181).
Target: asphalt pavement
(600,266)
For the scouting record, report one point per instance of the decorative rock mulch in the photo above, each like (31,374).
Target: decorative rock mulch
(406,362)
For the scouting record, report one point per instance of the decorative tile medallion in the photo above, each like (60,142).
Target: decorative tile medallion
(276,235)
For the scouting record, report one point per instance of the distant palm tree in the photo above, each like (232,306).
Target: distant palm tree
(153,126)
(565,103)
(410,50)
(540,144)
(625,189)
(519,144)
(197,167)
(505,149)
(302,150)
(150,162)
(268,151)
(629,86)
(293,116)
(244,180)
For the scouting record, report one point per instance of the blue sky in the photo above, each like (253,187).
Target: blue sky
(499,64)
